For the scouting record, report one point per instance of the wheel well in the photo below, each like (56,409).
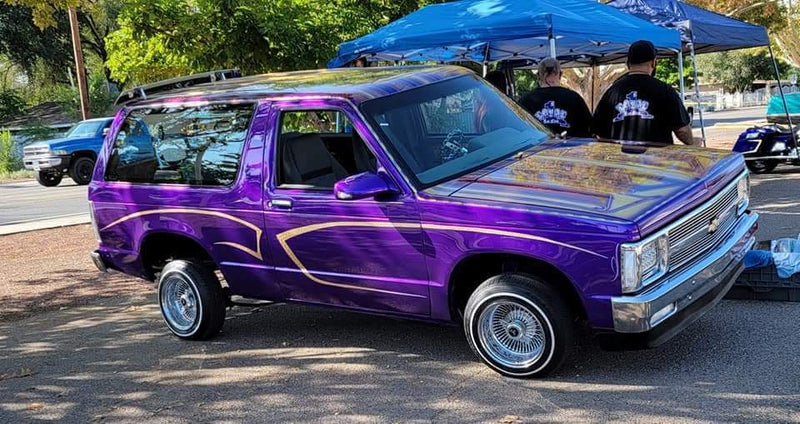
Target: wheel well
(84,153)
(159,248)
(474,270)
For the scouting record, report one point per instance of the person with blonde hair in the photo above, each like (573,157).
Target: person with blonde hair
(562,110)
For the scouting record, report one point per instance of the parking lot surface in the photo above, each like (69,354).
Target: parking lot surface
(114,362)
(80,346)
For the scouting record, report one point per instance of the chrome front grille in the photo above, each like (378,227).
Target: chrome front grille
(692,236)
(35,151)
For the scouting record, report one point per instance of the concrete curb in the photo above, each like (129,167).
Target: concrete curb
(44,224)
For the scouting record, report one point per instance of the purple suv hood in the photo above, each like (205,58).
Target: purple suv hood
(650,187)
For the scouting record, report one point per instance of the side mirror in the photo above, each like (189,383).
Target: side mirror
(362,186)
(105,131)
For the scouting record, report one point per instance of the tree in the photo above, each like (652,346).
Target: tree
(770,14)
(97,19)
(29,47)
(163,38)
(788,37)
(667,71)
(736,70)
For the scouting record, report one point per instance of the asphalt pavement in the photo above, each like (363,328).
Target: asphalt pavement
(27,201)
(115,362)
(776,197)
(742,116)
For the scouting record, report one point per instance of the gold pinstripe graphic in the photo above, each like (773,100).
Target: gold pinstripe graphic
(285,236)
(254,253)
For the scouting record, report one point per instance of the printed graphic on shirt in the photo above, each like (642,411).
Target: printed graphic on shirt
(632,106)
(550,114)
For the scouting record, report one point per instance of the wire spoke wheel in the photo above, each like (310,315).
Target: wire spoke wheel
(511,334)
(179,302)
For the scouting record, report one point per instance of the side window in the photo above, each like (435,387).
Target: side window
(180,145)
(317,148)
(455,112)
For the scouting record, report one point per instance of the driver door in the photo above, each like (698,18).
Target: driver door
(364,254)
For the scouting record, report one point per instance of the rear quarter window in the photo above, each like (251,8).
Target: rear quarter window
(198,145)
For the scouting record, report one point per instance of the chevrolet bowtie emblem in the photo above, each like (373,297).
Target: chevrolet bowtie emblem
(713,225)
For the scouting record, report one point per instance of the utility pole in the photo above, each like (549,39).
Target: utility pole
(79,67)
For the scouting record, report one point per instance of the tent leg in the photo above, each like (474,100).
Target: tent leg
(512,89)
(591,90)
(552,46)
(680,75)
(486,60)
(697,93)
(783,98)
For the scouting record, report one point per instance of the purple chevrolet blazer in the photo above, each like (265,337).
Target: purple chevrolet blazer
(416,192)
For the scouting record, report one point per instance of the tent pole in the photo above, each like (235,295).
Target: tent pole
(552,46)
(486,60)
(697,93)
(783,98)
(593,82)
(680,74)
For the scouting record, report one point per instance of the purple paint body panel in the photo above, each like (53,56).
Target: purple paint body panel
(392,239)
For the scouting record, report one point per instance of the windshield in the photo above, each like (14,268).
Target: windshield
(444,130)
(85,129)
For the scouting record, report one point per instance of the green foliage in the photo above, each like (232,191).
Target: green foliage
(11,104)
(8,158)
(769,14)
(667,71)
(37,132)
(157,39)
(29,47)
(101,98)
(736,70)
(525,80)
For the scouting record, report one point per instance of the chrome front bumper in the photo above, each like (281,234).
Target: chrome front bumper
(707,281)
(37,163)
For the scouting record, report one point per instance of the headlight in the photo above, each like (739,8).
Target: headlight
(752,135)
(644,262)
(58,152)
(743,193)
(779,146)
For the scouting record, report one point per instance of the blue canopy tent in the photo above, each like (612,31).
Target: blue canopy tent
(707,30)
(485,31)
(702,31)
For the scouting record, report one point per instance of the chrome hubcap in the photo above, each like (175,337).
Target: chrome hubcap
(179,303)
(511,334)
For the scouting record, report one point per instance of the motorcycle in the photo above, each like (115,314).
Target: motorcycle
(765,147)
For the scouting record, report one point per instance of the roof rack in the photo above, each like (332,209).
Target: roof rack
(143,91)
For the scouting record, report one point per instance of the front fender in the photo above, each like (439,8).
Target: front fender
(589,261)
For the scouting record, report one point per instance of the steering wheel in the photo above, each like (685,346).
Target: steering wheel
(453,145)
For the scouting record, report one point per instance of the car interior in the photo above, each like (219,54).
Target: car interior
(313,159)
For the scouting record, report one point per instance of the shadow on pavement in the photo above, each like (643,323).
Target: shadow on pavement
(115,362)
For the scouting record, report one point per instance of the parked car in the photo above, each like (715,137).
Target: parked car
(765,147)
(421,193)
(73,155)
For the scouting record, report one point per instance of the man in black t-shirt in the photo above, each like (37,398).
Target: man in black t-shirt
(638,107)
(560,109)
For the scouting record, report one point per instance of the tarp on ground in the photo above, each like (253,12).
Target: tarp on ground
(491,30)
(710,31)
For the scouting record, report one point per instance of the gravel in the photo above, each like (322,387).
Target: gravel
(51,269)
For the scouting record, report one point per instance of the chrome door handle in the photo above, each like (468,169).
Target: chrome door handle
(280,203)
